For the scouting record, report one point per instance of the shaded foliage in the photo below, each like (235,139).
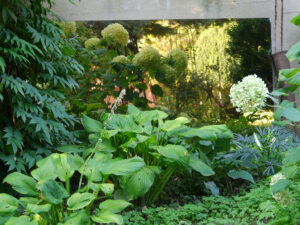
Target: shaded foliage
(36,62)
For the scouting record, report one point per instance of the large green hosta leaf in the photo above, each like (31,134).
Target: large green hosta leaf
(280,185)
(52,192)
(124,123)
(80,200)
(80,218)
(21,220)
(169,125)
(108,210)
(292,156)
(114,206)
(8,204)
(21,183)
(106,188)
(138,184)
(241,174)
(34,208)
(107,217)
(198,165)
(55,165)
(174,153)
(143,117)
(91,125)
(121,167)
(212,132)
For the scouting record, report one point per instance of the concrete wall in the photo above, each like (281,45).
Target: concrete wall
(280,12)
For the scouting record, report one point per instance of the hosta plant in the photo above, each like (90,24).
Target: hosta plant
(47,196)
(165,145)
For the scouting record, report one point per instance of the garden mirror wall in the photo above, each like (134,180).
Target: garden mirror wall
(280,12)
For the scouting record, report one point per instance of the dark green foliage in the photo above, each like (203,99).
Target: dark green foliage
(35,62)
(260,153)
(251,42)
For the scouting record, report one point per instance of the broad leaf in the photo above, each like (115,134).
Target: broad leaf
(292,156)
(21,183)
(22,220)
(107,189)
(34,208)
(80,200)
(114,206)
(45,171)
(52,192)
(174,153)
(80,218)
(169,125)
(91,125)
(294,52)
(212,187)
(107,217)
(124,123)
(291,114)
(138,184)
(198,165)
(280,185)
(240,174)
(122,167)
(70,148)
(8,204)
(296,20)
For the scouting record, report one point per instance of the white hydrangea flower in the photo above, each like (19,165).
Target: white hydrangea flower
(282,197)
(277,177)
(249,95)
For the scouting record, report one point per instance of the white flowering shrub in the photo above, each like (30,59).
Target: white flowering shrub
(282,197)
(91,43)
(249,95)
(121,59)
(148,58)
(116,33)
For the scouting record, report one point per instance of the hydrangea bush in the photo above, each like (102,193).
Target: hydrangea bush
(178,59)
(148,58)
(249,95)
(121,59)
(116,33)
(282,197)
(91,43)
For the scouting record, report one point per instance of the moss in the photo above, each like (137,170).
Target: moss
(91,43)
(178,60)
(116,33)
(121,59)
(148,58)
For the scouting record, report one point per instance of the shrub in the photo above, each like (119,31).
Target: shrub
(148,58)
(249,95)
(92,43)
(163,144)
(120,59)
(177,59)
(116,33)
(36,63)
